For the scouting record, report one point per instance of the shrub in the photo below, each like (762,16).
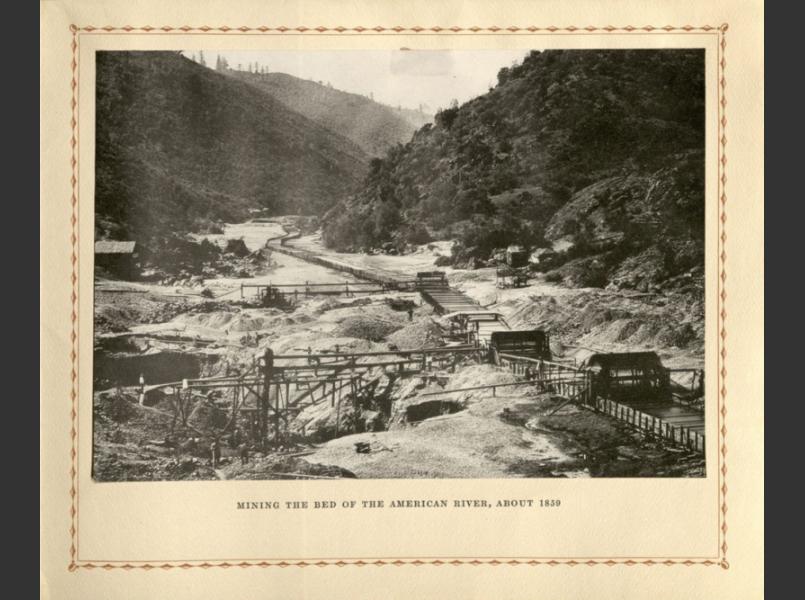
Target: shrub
(417,233)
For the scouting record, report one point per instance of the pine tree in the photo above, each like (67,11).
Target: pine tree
(201,60)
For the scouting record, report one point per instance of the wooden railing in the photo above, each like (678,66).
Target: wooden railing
(562,379)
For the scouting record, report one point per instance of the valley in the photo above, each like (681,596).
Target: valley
(293,281)
(509,434)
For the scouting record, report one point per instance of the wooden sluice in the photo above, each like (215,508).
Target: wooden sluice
(388,279)
(631,387)
(292,291)
(435,290)
(276,388)
(671,422)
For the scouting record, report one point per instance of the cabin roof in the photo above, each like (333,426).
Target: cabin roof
(114,247)
(625,360)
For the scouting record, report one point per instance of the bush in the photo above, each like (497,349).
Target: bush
(446,117)
(418,234)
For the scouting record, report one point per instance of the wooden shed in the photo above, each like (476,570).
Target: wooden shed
(117,258)
(516,256)
(629,376)
(530,344)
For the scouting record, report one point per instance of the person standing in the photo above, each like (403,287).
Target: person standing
(215,454)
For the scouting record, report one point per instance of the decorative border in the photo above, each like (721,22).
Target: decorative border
(74,303)
(396,29)
(721,31)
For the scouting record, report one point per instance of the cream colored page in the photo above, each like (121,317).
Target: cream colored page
(610,537)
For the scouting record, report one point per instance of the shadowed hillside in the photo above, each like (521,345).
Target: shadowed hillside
(372,126)
(179,146)
(599,153)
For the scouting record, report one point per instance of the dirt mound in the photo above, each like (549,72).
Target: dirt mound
(401,304)
(606,321)
(421,334)
(119,311)
(237,321)
(479,374)
(318,422)
(367,327)
(319,307)
(284,467)
(300,342)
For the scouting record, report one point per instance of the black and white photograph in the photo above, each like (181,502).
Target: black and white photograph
(399,264)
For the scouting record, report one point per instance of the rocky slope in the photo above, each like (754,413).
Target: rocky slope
(601,151)
(373,126)
(180,145)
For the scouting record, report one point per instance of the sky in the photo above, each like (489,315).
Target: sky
(395,77)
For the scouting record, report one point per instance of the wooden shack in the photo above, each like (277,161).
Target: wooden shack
(530,344)
(629,376)
(516,256)
(507,277)
(117,258)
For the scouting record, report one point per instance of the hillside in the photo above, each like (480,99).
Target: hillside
(372,126)
(179,146)
(598,152)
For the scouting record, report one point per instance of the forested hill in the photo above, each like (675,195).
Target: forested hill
(373,126)
(601,149)
(179,145)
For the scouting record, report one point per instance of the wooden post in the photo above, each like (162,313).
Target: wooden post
(277,413)
(337,414)
(268,373)
(235,391)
